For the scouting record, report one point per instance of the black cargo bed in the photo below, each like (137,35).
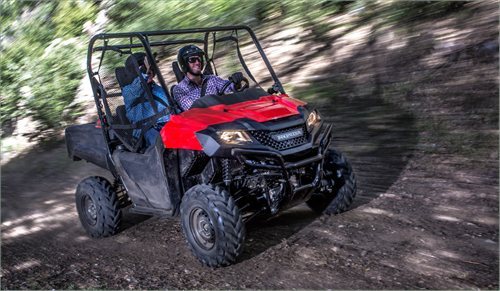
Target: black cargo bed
(85,142)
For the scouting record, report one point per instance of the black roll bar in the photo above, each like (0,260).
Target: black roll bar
(145,35)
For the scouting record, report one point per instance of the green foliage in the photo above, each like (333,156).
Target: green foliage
(71,15)
(155,15)
(53,88)
(9,88)
(39,72)
(43,43)
(10,10)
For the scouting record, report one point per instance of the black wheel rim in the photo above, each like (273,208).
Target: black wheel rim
(89,210)
(202,228)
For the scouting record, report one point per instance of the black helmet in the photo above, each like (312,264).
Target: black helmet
(185,53)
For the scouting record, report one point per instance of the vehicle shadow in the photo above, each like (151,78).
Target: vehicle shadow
(378,139)
(264,234)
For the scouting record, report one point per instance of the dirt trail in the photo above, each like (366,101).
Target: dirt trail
(426,215)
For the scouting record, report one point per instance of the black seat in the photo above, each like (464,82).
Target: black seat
(179,75)
(208,69)
(125,76)
(121,115)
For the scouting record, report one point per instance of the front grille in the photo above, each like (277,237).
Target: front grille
(265,137)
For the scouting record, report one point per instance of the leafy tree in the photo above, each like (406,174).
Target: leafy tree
(40,64)
(71,15)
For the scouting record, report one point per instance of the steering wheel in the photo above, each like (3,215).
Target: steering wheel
(245,85)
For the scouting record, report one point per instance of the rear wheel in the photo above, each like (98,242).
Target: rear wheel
(213,225)
(98,207)
(339,186)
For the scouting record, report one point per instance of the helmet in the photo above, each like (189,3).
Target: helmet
(186,52)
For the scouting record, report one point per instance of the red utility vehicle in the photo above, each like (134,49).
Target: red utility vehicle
(223,162)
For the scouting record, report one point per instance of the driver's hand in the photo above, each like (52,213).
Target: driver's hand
(236,78)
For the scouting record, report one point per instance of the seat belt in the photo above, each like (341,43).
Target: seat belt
(204,88)
(141,123)
(143,99)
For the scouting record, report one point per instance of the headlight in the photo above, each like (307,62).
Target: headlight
(234,136)
(313,118)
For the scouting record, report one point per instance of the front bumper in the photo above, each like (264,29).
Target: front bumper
(275,161)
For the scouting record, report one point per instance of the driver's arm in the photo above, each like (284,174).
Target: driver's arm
(216,84)
(234,80)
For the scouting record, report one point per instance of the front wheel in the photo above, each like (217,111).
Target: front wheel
(213,225)
(338,186)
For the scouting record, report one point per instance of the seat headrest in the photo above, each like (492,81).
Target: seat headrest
(208,69)
(130,64)
(179,75)
(125,75)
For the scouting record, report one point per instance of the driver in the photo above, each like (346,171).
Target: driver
(195,84)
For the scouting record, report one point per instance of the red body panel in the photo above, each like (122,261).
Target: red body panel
(180,131)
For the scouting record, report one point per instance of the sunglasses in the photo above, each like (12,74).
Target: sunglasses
(193,60)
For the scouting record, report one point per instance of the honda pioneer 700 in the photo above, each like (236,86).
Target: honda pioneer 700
(228,159)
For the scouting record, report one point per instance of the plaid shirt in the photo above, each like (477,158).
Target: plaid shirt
(186,92)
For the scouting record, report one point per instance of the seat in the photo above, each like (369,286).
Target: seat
(121,115)
(179,75)
(125,76)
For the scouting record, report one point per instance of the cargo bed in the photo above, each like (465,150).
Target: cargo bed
(85,142)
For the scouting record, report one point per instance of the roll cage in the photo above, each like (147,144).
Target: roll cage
(106,90)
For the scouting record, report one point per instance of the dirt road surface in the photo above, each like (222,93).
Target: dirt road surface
(423,141)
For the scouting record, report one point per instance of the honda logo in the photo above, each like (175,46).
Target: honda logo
(288,135)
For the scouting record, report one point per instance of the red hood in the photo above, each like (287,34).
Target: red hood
(180,131)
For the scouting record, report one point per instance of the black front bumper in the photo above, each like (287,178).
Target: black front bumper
(274,160)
